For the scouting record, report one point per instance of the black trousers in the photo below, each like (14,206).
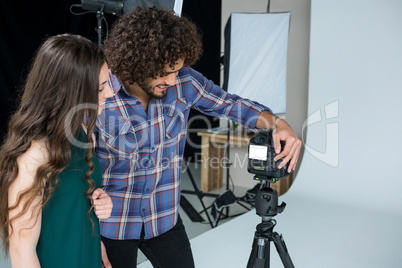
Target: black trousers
(171,249)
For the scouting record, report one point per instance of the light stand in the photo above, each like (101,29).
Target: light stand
(223,201)
(100,16)
(227,166)
(199,194)
(267,207)
(100,7)
(190,211)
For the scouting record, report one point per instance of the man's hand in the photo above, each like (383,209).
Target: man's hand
(281,132)
(291,152)
(105,261)
(102,204)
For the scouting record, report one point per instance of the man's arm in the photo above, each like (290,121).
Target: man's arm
(281,132)
(210,99)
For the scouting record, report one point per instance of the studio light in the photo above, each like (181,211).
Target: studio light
(114,7)
(119,7)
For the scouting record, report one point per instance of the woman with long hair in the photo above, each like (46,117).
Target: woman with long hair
(50,179)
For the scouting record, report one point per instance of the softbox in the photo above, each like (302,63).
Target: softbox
(255,57)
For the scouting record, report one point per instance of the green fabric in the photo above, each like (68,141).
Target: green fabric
(67,238)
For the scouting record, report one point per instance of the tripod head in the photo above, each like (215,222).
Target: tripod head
(266,199)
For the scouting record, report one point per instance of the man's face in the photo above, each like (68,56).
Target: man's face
(157,88)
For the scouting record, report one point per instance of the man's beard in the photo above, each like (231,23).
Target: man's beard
(149,90)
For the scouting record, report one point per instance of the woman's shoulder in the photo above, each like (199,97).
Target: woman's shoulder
(34,157)
(37,154)
(28,163)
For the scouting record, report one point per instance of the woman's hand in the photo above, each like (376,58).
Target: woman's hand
(105,261)
(102,204)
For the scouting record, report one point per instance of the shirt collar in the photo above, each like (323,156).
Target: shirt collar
(115,84)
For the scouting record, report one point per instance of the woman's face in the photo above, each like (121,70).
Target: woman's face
(104,88)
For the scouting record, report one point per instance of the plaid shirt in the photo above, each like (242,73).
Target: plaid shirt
(141,153)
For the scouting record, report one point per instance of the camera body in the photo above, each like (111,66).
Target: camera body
(261,154)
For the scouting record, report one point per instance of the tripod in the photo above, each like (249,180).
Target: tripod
(266,202)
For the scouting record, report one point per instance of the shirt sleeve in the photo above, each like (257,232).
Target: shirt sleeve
(210,99)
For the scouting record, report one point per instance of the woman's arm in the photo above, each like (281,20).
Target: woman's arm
(25,230)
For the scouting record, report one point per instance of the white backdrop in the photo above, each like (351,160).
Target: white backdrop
(356,75)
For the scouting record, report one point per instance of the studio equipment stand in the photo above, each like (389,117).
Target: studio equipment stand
(267,207)
(100,16)
(218,207)
(200,194)
(100,8)
(228,197)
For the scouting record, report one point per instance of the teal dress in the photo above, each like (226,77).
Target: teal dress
(67,237)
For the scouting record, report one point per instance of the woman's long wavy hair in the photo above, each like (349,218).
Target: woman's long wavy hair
(63,75)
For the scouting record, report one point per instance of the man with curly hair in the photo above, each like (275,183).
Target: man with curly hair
(142,133)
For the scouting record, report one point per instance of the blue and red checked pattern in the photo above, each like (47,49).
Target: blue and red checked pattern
(141,153)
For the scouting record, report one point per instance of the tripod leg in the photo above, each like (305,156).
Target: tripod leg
(259,257)
(253,254)
(282,250)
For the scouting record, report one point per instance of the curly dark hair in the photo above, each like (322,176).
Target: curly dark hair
(142,42)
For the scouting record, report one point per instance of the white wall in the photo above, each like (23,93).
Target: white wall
(297,72)
(355,67)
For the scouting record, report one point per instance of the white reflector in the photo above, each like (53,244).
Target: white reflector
(256,47)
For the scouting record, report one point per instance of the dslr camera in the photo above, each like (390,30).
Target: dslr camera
(261,154)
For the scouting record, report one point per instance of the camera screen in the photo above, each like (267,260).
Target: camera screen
(258,152)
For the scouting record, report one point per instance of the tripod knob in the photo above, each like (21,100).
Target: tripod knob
(281,207)
(267,197)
